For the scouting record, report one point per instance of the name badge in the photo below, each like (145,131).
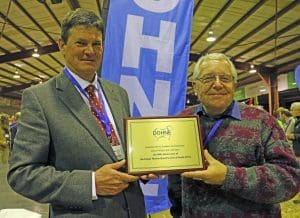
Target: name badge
(119,152)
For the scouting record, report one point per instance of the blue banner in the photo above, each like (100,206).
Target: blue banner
(146,51)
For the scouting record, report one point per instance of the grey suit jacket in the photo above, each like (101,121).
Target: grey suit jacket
(59,144)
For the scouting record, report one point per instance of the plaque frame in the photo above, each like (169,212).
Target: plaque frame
(161,145)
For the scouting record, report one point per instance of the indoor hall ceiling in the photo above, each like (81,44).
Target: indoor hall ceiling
(265,33)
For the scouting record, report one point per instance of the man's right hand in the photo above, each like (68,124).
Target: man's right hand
(110,181)
(3,144)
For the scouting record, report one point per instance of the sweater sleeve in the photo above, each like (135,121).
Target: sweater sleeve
(275,178)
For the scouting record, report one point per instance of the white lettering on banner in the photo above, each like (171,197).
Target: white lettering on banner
(137,96)
(157,6)
(135,40)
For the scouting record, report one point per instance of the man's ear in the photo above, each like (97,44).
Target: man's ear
(61,45)
(193,84)
(234,86)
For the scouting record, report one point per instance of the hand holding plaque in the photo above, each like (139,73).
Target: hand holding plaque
(163,145)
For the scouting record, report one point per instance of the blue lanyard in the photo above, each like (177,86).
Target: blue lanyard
(212,132)
(103,117)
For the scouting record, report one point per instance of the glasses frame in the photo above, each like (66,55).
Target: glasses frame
(212,78)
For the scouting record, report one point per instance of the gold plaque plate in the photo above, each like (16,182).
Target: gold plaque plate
(163,145)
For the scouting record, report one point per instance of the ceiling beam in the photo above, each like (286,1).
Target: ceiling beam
(17,45)
(12,95)
(285,55)
(248,80)
(263,25)
(73,4)
(99,7)
(274,36)
(239,65)
(236,24)
(219,14)
(33,20)
(4,90)
(293,40)
(28,53)
(197,6)
(10,79)
(36,68)
(23,77)
(19,29)
(288,66)
(52,14)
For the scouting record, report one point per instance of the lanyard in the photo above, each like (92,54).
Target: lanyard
(103,117)
(212,132)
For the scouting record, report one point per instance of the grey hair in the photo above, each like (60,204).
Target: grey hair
(80,17)
(215,57)
(295,105)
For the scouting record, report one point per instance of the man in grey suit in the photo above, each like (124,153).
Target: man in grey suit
(60,155)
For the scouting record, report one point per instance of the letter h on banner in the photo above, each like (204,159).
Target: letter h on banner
(135,40)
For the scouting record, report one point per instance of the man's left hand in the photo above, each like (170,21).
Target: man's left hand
(214,174)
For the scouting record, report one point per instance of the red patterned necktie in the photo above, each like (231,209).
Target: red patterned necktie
(97,105)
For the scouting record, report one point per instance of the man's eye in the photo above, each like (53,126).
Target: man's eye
(80,44)
(97,44)
(225,78)
(208,78)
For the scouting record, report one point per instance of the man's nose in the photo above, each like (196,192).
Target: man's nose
(89,49)
(217,84)
(217,80)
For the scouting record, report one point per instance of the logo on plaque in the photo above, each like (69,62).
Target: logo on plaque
(160,133)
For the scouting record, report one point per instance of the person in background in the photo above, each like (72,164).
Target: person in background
(250,166)
(295,135)
(288,122)
(68,150)
(277,115)
(4,138)
(13,129)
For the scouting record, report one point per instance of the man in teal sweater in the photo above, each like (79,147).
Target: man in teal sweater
(251,167)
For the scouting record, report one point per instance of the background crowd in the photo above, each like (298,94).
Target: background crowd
(8,128)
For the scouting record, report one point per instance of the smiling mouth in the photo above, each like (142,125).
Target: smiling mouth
(218,94)
(89,60)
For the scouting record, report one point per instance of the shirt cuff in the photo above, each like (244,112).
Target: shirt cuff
(94,194)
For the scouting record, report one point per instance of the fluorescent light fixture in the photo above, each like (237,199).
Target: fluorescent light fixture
(262,90)
(16,75)
(211,37)
(35,53)
(252,69)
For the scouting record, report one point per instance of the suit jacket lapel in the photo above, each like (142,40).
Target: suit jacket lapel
(78,108)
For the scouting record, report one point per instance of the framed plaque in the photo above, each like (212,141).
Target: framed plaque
(163,145)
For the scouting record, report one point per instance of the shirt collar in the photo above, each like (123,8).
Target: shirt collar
(83,83)
(232,111)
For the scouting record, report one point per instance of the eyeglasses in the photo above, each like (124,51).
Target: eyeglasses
(210,78)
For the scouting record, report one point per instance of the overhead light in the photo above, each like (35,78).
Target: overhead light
(252,69)
(211,37)
(35,53)
(16,75)
(263,90)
